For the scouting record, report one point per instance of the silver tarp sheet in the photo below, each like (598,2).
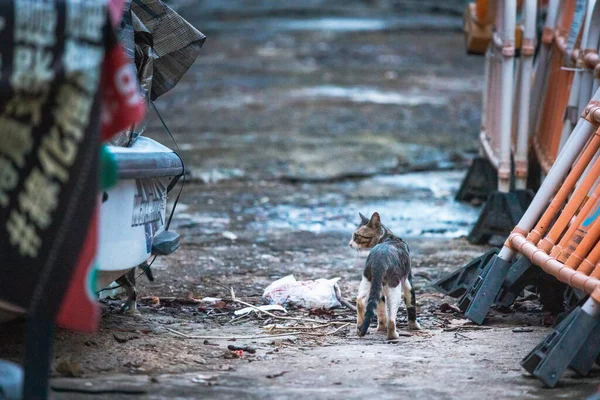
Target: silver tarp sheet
(163,46)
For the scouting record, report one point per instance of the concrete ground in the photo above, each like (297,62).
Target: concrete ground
(297,116)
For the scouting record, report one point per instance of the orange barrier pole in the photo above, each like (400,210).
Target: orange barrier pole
(584,247)
(596,272)
(580,233)
(561,196)
(547,136)
(588,265)
(481,12)
(578,200)
(561,250)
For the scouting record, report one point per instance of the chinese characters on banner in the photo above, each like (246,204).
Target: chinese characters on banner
(60,70)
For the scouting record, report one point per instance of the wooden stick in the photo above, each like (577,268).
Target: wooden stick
(231,337)
(284,318)
(467,328)
(275,327)
(328,333)
(343,301)
(255,337)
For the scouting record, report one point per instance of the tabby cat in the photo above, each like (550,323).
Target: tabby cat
(386,278)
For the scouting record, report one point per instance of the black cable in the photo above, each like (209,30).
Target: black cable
(119,286)
(182,165)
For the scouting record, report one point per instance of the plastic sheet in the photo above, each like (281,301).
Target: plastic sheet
(319,293)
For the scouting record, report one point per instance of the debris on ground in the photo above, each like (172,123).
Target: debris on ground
(124,338)
(522,330)
(248,349)
(319,293)
(208,380)
(229,235)
(449,308)
(248,310)
(69,368)
(272,376)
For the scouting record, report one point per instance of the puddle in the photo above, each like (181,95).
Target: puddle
(367,95)
(440,183)
(427,208)
(333,24)
(339,24)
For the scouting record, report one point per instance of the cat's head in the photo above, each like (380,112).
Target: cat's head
(368,233)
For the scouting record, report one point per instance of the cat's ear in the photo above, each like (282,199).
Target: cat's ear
(363,220)
(375,221)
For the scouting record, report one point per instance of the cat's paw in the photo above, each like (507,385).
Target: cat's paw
(130,309)
(358,331)
(393,336)
(414,325)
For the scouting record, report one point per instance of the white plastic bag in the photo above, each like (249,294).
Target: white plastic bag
(319,293)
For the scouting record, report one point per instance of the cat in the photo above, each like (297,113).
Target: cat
(387,278)
(127,281)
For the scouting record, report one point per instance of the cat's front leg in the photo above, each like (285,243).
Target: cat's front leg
(361,302)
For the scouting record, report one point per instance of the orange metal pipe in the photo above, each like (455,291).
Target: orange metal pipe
(556,99)
(584,247)
(588,266)
(566,17)
(561,250)
(481,12)
(578,236)
(596,272)
(574,202)
(548,133)
(552,266)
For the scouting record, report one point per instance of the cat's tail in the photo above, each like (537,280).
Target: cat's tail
(372,303)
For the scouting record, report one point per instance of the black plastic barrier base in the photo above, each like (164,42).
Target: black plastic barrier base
(549,360)
(481,180)
(457,283)
(480,296)
(588,353)
(522,273)
(501,213)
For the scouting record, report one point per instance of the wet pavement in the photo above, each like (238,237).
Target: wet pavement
(297,116)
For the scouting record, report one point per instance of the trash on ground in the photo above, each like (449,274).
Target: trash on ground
(522,330)
(210,300)
(124,338)
(69,368)
(271,376)
(248,310)
(319,293)
(449,308)
(248,349)
(229,235)
(208,380)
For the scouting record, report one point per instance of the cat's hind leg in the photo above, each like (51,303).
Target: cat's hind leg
(381,316)
(393,297)
(361,301)
(408,292)
(128,282)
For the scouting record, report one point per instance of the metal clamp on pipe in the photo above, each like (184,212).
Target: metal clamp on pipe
(592,113)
